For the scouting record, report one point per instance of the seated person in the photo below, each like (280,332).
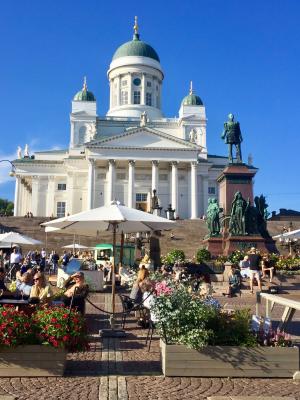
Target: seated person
(3,289)
(234,282)
(76,289)
(40,290)
(136,294)
(107,271)
(266,265)
(25,266)
(24,284)
(244,267)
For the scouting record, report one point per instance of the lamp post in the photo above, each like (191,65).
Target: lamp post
(13,168)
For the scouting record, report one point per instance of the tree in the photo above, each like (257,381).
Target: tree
(6,207)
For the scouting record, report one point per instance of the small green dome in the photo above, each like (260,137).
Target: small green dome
(136,47)
(84,94)
(192,99)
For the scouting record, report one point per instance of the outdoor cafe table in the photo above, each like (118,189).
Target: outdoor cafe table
(291,304)
(14,302)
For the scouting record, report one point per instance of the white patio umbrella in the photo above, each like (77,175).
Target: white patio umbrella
(112,217)
(76,246)
(286,235)
(15,237)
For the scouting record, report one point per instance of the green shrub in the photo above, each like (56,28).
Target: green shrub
(203,255)
(174,256)
(187,319)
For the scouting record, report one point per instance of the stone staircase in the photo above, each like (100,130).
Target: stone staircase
(188,234)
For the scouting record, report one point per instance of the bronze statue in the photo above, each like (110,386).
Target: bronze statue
(213,217)
(237,224)
(233,136)
(262,215)
(154,201)
(251,217)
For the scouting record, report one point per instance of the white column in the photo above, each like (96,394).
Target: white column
(129,89)
(118,91)
(17,194)
(194,191)
(131,168)
(143,92)
(35,196)
(205,193)
(50,197)
(154,175)
(110,94)
(174,188)
(91,183)
(111,181)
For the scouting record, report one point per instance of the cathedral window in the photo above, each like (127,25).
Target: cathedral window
(61,186)
(141,196)
(124,83)
(61,209)
(149,84)
(124,97)
(136,97)
(211,190)
(148,99)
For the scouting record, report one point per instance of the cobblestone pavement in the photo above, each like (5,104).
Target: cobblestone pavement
(123,369)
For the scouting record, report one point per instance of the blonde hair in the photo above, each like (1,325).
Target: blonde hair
(42,277)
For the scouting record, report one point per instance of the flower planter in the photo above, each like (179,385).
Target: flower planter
(229,361)
(35,360)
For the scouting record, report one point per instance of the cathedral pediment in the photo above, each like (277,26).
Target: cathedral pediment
(145,138)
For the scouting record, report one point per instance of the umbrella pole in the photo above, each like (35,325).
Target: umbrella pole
(113,279)
(122,248)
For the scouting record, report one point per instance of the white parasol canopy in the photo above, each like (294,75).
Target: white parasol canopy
(288,235)
(92,222)
(112,217)
(76,246)
(15,237)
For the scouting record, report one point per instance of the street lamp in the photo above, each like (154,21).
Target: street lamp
(13,168)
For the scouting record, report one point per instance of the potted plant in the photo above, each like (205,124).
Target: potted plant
(199,339)
(36,344)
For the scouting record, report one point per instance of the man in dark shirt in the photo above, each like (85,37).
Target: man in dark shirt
(254,264)
(3,289)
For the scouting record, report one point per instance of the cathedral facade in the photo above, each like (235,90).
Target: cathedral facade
(126,154)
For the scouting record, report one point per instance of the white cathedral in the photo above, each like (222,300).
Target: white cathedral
(127,153)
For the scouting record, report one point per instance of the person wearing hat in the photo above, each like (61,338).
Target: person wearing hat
(77,291)
(254,262)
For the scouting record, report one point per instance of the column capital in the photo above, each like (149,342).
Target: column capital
(92,161)
(112,161)
(155,162)
(131,162)
(51,178)
(174,163)
(194,163)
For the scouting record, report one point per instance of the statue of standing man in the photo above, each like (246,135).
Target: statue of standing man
(233,137)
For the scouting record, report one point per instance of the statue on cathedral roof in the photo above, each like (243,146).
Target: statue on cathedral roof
(19,152)
(193,135)
(26,151)
(144,119)
(233,137)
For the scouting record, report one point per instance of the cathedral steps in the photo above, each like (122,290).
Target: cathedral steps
(188,234)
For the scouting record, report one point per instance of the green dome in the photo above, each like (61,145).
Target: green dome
(192,100)
(84,94)
(136,47)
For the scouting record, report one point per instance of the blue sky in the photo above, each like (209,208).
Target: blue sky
(243,57)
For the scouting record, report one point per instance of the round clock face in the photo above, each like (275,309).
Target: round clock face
(137,81)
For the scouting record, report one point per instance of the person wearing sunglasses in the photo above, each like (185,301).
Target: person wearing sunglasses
(40,289)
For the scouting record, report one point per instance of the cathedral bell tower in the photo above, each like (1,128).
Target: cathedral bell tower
(135,78)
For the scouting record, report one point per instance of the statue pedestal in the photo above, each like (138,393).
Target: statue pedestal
(214,245)
(244,243)
(235,177)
